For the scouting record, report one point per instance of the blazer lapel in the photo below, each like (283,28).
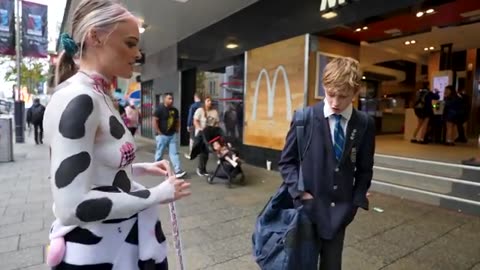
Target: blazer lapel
(352,130)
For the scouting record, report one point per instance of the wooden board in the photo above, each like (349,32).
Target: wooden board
(328,46)
(276,74)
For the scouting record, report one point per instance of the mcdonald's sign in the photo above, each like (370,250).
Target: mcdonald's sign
(331,4)
(271,88)
(275,79)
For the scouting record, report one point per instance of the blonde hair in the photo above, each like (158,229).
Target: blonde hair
(101,15)
(342,75)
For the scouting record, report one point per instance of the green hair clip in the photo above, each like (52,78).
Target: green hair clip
(69,45)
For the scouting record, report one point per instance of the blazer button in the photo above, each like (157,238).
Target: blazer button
(335,187)
(337,169)
(332,204)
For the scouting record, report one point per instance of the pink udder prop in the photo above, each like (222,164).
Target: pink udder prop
(56,251)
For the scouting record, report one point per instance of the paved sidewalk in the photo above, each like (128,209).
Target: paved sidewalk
(217,222)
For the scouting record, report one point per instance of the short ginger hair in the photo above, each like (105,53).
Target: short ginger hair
(342,75)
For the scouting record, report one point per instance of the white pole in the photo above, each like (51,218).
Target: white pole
(18,48)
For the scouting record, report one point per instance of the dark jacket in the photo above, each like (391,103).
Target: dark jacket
(191,112)
(454,109)
(35,114)
(338,188)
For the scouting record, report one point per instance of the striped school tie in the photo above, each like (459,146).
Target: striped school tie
(339,137)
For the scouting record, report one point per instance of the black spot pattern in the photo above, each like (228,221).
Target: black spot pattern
(116,128)
(132,237)
(144,193)
(74,117)
(150,265)
(94,209)
(159,232)
(82,236)
(70,168)
(121,181)
(109,189)
(100,266)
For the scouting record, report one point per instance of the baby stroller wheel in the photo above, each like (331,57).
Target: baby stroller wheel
(242,179)
(210,179)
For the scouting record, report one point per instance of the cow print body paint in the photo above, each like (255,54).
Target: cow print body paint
(101,214)
(74,117)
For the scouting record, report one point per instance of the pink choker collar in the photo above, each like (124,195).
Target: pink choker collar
(100,84)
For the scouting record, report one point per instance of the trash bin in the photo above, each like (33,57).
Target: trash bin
(6,138)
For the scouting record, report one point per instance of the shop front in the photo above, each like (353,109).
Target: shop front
(402,46)
(284,62)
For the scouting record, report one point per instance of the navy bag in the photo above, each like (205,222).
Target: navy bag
(280,237)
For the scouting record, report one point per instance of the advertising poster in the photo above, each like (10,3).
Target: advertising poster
(7,27)
(35,30)
(439,83)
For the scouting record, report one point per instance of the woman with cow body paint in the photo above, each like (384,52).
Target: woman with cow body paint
(104,219)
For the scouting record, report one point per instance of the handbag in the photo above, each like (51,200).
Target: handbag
(282,234)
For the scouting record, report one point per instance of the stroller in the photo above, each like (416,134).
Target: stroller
(229,164)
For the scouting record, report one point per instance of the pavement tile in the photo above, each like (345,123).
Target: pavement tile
(11,219)
(9,243)
(34,239)
(409,262)
(356,259)
(216,223)
(19,228)
(459,249)
(22,258)
(38,267)
(384,250)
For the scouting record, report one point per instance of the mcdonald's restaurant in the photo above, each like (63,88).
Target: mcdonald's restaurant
(268,58)
(262,59)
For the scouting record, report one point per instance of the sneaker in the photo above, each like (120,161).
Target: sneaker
(187,156)
(202,174)
(180,174)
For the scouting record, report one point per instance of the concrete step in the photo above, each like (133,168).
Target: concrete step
(433,183)
(437,168)
(453,186)
(445,201)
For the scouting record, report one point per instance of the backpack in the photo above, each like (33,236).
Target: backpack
(420,99)
(276,239)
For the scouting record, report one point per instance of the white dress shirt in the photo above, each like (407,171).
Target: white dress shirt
(346,115)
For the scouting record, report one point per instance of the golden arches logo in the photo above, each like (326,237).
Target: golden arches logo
(329,4)
(271,87)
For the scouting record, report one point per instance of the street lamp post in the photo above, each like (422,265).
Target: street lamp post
(19,106)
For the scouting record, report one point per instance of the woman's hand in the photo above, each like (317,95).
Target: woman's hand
(181,187)
(173,189)
(306,196)
(159,168)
